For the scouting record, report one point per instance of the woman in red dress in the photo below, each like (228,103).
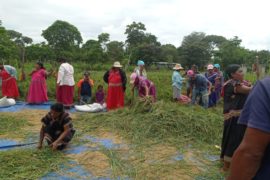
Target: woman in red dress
(116,80)
(9,85)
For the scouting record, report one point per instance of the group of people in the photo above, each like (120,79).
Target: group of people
(115,78)
(203,89)
(245,147)
(246,133)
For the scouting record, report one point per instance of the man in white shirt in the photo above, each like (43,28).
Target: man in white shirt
(65,83)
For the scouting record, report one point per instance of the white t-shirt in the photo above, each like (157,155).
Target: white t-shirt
(65,75)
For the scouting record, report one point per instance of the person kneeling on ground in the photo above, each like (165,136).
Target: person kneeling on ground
(57,128)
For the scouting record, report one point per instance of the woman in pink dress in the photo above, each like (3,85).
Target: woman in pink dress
(38,90)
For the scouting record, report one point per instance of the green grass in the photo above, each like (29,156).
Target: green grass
(162,121)
(11,126)
(29,163)
(145,125)
(142,124)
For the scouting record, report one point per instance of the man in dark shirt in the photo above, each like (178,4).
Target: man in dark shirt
(57,128)
(200,87)
(252,158)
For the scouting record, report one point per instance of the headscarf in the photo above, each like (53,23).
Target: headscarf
(140,63)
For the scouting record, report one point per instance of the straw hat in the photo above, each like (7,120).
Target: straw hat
(178,67)
(117,64)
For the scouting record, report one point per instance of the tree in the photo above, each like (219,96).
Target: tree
(21,42)
(39,52)
(148,52)
(62,36)
(135,34)
(92,51)
(115,51)
(194,50)
(103,39)
(232,53)
(169,53)
(7,47)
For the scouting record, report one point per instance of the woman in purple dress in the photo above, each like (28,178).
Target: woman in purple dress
(145,87)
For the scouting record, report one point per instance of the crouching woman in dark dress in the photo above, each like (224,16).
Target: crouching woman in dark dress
(57,128)
(235,92)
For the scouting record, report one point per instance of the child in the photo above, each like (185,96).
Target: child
(85,89)
(100,95)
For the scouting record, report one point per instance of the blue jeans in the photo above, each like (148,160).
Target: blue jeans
(198,95)
(85,99)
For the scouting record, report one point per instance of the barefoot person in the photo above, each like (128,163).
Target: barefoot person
(37,93)
(57,128)
(235,92)
(116,80)
(9,84)
(65,83)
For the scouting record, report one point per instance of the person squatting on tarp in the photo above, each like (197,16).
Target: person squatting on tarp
(65,83)
(116,80)
(57,128)
(235,92)
(37,93)
(8,76)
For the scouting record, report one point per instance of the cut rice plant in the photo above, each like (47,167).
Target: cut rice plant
(161,121)
(29,163)
(12,127)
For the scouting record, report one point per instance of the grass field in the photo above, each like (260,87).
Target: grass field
(164,140)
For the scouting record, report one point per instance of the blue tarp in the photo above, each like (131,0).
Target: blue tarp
(20,105)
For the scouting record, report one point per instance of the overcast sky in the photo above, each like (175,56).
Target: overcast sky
(169,20)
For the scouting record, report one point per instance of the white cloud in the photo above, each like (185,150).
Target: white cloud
(169,20)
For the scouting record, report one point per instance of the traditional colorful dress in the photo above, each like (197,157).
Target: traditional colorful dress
(213,96)
(65,81)
(9,85)
(143,83)
(38,90)
(116,87)
(233,132)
